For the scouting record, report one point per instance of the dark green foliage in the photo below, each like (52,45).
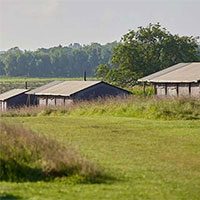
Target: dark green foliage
(58,61)
(9,197)
(11,170)
(2,68)
(146,51)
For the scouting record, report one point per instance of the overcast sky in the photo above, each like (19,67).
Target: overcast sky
(31,24)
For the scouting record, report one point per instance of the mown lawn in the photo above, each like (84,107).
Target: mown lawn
(150,159)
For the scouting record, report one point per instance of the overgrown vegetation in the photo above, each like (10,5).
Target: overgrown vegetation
(148,108)
(26,156)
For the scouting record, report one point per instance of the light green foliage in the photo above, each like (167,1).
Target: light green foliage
(150,159)
(145,51)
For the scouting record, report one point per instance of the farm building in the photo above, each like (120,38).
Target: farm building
(65,92)
(181,80)
(13,98)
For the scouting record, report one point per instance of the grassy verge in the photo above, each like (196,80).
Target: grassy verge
(147,108)
(26,156)
(150,159)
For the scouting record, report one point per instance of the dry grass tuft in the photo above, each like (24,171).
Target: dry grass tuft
(25,156)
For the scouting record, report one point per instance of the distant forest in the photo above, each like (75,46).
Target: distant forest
(139,53)
(61,61)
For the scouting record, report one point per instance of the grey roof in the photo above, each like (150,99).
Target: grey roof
(11,93)
(180,73)
(67,88)
(44,87)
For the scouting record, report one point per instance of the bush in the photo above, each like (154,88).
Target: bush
(26,156)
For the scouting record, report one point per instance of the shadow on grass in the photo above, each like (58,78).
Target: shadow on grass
(12,171)
(9,197)
(103,179)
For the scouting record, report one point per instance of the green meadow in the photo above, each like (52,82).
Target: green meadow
(149,159)
(148,148)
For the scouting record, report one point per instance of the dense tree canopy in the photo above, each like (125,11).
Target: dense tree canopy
(58,61)
(145,51)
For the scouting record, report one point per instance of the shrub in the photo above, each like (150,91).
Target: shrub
(26,156)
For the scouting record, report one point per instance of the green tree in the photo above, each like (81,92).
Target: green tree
(2,69)
(146,51)
(68,61)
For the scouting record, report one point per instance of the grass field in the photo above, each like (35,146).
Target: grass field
(149,159)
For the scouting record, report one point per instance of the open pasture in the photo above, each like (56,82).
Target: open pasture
(149,159)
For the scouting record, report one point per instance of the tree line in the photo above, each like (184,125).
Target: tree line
(139,53)
(67,61)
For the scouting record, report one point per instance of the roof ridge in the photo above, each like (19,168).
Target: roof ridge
(71,87)
(14,92)
(163,72)
(48,85)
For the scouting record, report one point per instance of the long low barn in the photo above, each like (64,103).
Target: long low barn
(182,79)
(65,92)
(13,98)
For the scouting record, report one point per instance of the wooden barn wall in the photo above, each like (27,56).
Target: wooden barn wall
(99,90)
(184,90)
(172,90)
(17,101)
(53,101)
(160,89)
(195,89)
(3,105)
(178,89)
(42,101)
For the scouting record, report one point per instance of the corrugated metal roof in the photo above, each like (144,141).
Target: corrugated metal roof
(11,93)
(180,73)
(67,88)
(44,87)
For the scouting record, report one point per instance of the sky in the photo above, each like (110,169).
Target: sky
(33,24)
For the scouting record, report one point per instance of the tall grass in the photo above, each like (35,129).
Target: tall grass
(148,108)
(26,156)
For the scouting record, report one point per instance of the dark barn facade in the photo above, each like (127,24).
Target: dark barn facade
(181,80)
(13,98)
(65,92)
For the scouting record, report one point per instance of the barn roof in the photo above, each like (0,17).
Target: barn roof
(66,88)
(11,93)
(180,73)
(37,90)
